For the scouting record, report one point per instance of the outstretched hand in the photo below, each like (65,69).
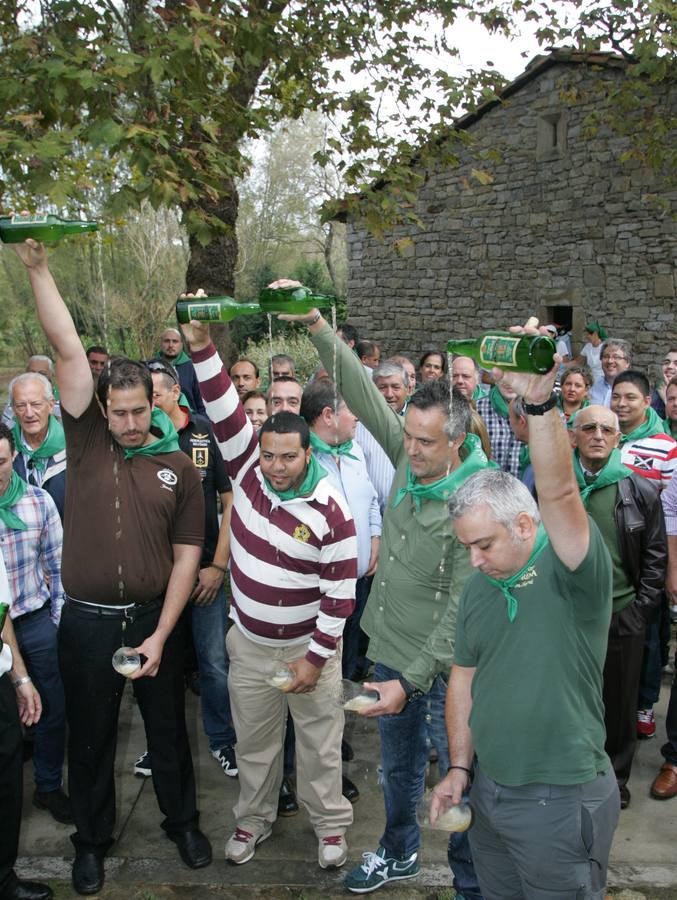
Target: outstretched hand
(31,253)
(533,388)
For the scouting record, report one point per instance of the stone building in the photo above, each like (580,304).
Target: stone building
(565,227)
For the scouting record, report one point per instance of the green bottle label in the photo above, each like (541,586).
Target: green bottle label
(204,312)
(501,351)
(29,220)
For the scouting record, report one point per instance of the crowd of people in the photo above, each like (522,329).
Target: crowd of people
(494,553)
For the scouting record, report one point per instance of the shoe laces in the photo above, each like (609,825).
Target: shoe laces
(645,715)
(333,840)
(243,836)
(372,862)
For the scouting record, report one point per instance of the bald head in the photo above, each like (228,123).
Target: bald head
(171,343)
(595,434)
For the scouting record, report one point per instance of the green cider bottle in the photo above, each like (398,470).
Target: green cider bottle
(293,300)
(512,352)
(4,609)
(212,309)
(46,229)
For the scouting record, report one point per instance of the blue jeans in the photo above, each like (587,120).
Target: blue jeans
(652,665)
(405,746)
(209,636)
(36,636)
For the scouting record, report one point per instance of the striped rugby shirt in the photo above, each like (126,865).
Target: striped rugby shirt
(653,457)
(293,562)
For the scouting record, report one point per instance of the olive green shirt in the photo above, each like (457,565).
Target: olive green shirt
(410,616)
(602,508)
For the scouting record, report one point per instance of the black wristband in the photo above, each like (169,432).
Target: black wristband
(538,409)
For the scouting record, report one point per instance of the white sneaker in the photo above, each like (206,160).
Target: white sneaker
(332,851)
(241,846)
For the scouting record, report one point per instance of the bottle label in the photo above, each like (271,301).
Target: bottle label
(204,312)
(499,350)
(29,220)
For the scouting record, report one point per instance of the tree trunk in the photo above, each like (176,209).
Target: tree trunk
(212,266)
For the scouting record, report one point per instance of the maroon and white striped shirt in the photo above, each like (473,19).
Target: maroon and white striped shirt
(293,563)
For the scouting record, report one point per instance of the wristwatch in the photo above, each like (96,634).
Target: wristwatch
(538,409)
(412,692)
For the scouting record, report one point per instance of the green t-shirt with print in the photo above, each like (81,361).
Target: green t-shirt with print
(537,712)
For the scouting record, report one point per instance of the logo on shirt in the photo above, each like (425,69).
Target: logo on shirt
(301,533)
(166,476)
(644,464)
(201,457)
(528,578)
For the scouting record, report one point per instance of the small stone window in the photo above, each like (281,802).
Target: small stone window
(551,137)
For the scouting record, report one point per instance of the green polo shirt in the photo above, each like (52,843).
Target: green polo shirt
(410,616)
(537,712)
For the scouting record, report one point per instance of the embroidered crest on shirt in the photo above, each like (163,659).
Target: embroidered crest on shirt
(301,533)
(201,457)
(166,476)
(528,578)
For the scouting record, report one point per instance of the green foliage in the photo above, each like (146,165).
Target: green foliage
(289,340)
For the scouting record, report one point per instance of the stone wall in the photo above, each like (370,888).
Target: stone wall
(564,223)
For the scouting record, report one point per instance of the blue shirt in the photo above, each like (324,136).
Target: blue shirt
(600,392)
(350,477)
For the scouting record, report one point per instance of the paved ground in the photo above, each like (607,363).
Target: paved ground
(144,865)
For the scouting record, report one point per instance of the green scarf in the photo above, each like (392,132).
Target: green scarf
(505,585)
(314,474)
(498,401)
(478,391)
(54,442)
(167,443)
(474,460)
(524,458)
(15,491)
(181,358)
(335,449)
(613,471)
(671,428)
(596,328)
(653,424)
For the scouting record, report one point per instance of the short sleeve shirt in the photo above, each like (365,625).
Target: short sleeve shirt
(122,516)
(537,712)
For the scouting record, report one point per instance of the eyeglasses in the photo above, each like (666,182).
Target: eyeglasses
(591,428)
(615,356)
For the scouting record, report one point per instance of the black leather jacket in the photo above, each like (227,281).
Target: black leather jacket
(642,541)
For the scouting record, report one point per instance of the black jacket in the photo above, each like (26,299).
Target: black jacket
(642,541)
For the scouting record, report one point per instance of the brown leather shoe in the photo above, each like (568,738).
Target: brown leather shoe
(664,786)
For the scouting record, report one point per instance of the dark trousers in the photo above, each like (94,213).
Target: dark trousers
(353,661)
(622,668)
(11,781)
(93,692)
(669,749)
(36,636)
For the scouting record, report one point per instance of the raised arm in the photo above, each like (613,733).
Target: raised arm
(73,374)
(559,499)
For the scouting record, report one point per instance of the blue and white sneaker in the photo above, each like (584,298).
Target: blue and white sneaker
(378,869)
(225,757)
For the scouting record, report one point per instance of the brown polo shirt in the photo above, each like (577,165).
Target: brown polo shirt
(123,515)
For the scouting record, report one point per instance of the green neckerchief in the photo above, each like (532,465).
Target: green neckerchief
(15,491)
(181,358)
(524,458)
(498,401)
(54,442)
(167,443)
(671,428)
(183,401)
(473,461)
(335,449)
(314,474)
(505,585)
(653,424)
(478,391)
(613,471)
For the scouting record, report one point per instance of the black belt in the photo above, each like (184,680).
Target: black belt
(33,612)
(111,612)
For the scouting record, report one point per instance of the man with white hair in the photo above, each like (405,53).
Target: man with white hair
(525,693)
(38,436)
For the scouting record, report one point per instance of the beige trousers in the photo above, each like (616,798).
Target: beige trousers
(259,716)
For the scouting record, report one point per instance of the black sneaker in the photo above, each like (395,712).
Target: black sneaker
(225,757)
(142,767)
(287,805)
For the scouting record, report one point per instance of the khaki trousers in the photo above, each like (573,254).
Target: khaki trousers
(259,715)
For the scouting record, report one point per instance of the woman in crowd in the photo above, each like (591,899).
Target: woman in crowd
(575,385)
(433,365)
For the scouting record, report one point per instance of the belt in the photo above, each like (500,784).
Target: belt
(110,612)
(33,612)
